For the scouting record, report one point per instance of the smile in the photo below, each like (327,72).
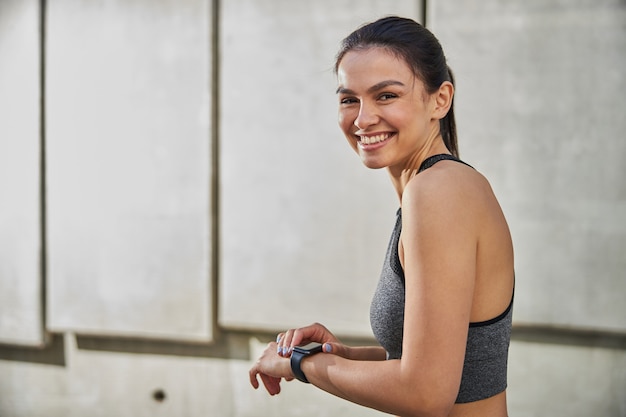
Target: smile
(370,140)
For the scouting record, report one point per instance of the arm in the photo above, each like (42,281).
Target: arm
(274,363)
(438,249)
(438,245)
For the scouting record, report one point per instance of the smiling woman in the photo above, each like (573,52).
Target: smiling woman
(442,310)
(397,110)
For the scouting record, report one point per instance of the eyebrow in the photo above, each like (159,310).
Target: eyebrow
(375,87)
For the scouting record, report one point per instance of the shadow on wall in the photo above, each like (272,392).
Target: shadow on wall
(231,345)
(236,345)
(53,353)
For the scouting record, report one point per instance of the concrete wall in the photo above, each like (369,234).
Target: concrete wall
(175,191)
(21,311)
(539,115)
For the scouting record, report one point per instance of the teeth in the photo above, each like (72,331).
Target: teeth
(368,140)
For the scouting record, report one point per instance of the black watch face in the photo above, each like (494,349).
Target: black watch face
(312,347)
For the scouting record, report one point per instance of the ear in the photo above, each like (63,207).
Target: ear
(443,100)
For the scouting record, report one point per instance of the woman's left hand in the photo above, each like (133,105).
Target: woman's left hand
(271,367)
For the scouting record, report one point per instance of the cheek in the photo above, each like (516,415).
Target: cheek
(346,124)
(346,120)
(341,119)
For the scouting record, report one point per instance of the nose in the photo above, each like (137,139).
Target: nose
(367,116)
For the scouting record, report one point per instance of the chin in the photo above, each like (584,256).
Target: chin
(373,164)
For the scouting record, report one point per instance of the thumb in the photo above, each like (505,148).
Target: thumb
(336,349)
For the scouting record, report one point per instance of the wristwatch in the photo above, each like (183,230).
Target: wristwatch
(299,353)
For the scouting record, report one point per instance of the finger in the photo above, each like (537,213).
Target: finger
(279,342)
(312,333)
(300,337)
(272,385)
(286,344)
(304,335)
(336,349)
(253,372)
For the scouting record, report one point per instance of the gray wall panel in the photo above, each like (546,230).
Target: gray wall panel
(21,319)
(129,168)
(539,107)
(304,224)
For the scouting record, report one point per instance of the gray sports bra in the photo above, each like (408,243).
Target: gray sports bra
(485,366)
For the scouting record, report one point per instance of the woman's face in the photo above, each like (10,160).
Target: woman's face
(384,110)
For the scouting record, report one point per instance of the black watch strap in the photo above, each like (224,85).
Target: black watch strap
(296,360)
(299,353)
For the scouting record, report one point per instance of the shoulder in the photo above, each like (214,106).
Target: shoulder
(449,180)
(449,192)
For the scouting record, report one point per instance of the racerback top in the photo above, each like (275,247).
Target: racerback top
(485,366)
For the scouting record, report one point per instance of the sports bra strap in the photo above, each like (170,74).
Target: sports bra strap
(432,160)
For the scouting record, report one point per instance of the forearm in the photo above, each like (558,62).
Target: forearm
(367,353)
(375,384)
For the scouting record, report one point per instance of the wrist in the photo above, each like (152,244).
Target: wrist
(298,354)
(287,372)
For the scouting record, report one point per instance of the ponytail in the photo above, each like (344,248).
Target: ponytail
(447,125)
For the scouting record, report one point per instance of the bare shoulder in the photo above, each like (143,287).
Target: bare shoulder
(448,186)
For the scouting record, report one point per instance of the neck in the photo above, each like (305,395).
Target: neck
(401,175)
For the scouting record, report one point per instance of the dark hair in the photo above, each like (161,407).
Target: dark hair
(419,48)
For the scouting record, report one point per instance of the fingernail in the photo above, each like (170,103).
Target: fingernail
(328,348)
(284,351)
(278,338)
(278,350)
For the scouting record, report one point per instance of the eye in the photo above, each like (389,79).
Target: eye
(348,100)
(386,96)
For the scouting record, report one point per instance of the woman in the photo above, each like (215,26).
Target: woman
(442,309)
